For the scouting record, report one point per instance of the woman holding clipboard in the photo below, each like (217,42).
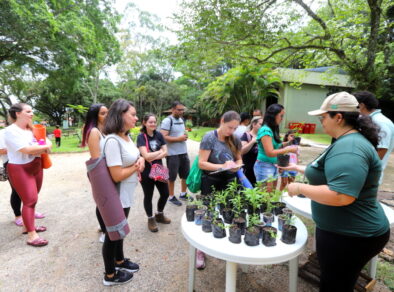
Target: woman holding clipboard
(220,159)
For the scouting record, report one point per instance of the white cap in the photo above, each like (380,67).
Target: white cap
(337,102)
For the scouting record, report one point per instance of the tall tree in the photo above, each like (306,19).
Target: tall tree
(293,33)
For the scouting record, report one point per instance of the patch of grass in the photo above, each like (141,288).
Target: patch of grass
(198,132)
(318,138)
(385,273)
(68,144)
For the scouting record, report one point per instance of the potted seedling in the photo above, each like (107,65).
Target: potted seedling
(288,212)
(254,198)
(199,212)
(206,223)
(227,212)
(289,232)
(235,233)
(269,235)
(252,234)
(282,218)
(218,228)
(237,209)
(283,159)
(190,208)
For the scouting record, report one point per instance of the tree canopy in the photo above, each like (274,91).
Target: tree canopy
(352,35)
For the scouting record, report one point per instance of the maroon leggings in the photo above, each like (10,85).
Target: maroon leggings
(27,181)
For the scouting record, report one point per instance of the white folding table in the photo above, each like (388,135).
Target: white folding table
(235,254)
(302,206)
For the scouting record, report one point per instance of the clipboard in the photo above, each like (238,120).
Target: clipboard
(220,170)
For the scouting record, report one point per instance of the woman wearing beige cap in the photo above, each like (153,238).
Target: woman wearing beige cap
(351,226)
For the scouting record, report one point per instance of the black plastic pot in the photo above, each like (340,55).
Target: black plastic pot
(252,236)
(278,207)
(243,214)
(268,239)
(207,224)
(296,141)
(198,215)
(190,212)
(283,160)
(288,212)
(289,234)
(235,234)
(241,223)
(282,218)
(260,226)
(268,218)
(218,231)
(228,215)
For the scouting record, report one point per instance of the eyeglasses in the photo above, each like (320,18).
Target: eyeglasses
(321,118)
(180,109)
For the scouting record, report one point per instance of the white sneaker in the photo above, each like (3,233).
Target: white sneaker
(102,237)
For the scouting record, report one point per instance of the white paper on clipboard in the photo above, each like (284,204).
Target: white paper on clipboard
(223,170)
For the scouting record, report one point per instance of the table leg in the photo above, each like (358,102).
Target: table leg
(373,264)
(293,274)
(231,277)
(192,265)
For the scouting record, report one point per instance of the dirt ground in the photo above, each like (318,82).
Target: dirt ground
(72,261)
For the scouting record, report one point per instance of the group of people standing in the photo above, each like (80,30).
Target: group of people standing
(351,226)
(343,180)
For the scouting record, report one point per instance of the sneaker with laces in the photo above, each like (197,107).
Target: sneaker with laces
(128,266)
(175,201)
(120,277)
(200,260)
(186,197)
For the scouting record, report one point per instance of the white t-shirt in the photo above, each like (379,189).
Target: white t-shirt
(15,139)
(122,153)
(240,131)
(4,157)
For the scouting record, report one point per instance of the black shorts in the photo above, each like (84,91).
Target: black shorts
(178,164)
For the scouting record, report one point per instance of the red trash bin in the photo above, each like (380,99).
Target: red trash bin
(312,129)
(306,129)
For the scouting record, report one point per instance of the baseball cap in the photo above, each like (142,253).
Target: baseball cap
(337,102)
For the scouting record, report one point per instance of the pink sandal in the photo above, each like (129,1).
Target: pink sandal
(38,242)
(19,221)
(38,229)
(39,215)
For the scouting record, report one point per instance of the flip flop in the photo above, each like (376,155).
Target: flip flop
(39,215)
(38,229)
(38,242)
(19,221)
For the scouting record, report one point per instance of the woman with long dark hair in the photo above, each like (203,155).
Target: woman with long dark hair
(153,148)
(124,163)
(93,137)
(270,146)
(249,148)
(219,149)
(24,166)
(351,227)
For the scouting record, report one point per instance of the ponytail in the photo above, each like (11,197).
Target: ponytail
(361,123)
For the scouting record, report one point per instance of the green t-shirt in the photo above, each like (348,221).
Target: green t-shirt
(349,166)
(261,156)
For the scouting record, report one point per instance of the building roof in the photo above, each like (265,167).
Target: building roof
(316,76)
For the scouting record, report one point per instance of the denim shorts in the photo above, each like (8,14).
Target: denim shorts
(265,171)
(288,173)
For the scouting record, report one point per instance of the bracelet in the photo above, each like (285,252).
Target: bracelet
(299,189)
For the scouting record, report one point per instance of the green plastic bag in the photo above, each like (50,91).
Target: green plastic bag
(193,180)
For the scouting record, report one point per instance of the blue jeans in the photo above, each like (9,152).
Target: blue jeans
(288,173)
(265,171)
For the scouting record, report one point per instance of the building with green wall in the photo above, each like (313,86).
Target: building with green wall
(305,90)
